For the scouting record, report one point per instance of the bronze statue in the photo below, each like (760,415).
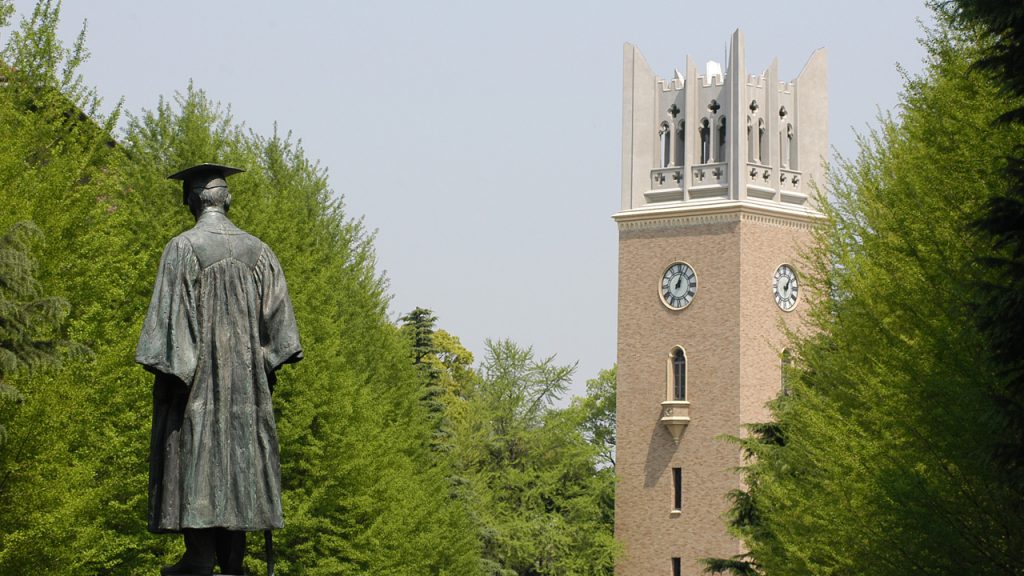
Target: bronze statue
(218,327)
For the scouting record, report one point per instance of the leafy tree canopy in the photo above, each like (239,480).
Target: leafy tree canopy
(880,458)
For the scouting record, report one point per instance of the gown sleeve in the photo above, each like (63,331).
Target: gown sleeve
(170,332)
(279,334)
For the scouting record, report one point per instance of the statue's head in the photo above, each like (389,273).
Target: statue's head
(205,186)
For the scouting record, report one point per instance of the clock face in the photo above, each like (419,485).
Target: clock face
(785,287)
(678,286)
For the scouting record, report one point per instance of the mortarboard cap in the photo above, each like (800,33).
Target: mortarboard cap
(204,170)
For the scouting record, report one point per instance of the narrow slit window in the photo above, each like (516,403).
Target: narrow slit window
(705,141)
(722,150)
(665,136)
(679,375)
(677,566)
(677,489)
(791,145)
(760,141)
(681,144)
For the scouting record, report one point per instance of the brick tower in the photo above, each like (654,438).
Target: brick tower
(717,205)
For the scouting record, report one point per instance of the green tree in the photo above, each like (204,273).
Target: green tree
(29,321)
(1001,298)
(360,496)
(879,461)
(598,414)
(419,327)
(744,518)
(532,478)
(361,492)
(458,377)
(61,479)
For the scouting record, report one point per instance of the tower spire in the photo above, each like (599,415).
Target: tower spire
(753,140)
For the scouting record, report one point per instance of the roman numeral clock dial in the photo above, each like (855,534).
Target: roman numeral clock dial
(678,285)
(785,287)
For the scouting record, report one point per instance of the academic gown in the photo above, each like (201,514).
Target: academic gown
(219,324)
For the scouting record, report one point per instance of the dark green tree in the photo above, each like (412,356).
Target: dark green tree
(1001,298)
(743,518)
(419,327)
(879,461)
(30,322)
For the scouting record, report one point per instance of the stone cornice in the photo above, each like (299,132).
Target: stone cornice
(697,214)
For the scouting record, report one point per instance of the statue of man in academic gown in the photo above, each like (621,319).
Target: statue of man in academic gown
(219,325)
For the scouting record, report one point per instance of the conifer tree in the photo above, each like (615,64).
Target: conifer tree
(62,482)
(418,327)
(879,461)
(361,492)
(361,495)
(29,321)
(1001,297)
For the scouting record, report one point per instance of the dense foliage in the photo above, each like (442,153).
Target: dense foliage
(386,439)
(1001,298)
(882,459)
(532,475)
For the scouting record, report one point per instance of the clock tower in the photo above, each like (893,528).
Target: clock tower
(718,171)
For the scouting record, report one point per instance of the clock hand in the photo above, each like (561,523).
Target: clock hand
(679,283)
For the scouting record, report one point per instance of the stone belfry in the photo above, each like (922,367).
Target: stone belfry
(718,175)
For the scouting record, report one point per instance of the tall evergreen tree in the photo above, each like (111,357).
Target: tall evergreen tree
(30,323)
(360,496)
(361,493)
(418,327)
(879,461)
(1001,298)
(58,169)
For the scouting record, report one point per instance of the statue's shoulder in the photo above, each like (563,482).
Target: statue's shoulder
(267,253)
(185,237)
(250,245)
(180,243)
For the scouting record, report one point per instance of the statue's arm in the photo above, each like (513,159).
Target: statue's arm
(279,333)
(169,338)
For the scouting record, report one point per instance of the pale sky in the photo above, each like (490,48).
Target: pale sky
(481,139)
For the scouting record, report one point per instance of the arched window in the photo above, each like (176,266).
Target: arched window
(705,141)
(761,141)
(787,363)
(722,151)
(679,375)
(680,153)
(665,137)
